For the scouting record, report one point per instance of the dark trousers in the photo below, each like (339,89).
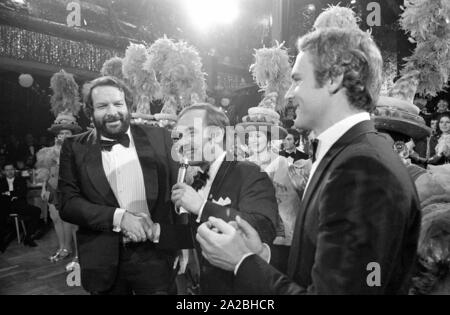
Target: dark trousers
(143,271)
(30,214)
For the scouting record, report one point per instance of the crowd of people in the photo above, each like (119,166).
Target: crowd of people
(17,162)
(250,228)
(283,160)
(29,179)
(330,201)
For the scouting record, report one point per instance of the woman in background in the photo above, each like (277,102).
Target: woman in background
(442,155)
(277,167)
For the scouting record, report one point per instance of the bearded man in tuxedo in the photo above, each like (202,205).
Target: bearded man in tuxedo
(115,183)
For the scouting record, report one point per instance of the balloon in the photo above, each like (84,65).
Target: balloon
(26,80)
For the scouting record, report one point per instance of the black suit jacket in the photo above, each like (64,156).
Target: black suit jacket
(88,201)
(19,185)
(252,197)
(20,191)
(361,206)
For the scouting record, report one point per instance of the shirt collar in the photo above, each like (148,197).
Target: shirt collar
(291,151)
(330,136)
(214,168)
(128,133)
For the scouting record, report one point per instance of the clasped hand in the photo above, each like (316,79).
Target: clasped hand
(138,227)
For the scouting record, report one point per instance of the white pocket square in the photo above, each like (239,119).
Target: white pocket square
(222,202)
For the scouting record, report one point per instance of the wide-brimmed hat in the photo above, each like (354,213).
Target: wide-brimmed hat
(397,113)
(393,114)
(276,132)
(65,121)
(264,118)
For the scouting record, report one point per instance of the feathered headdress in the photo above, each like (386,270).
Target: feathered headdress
(158,53)
(142,81)
(181,75)
(113,67)
(336,16)
(272,72)
(65,97)
(428,24)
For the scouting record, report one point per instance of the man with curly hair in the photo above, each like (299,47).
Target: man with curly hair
(357,227)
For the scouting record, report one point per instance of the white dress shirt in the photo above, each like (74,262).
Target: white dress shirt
(330,136)
(204,191)
(124,173)
(10,183)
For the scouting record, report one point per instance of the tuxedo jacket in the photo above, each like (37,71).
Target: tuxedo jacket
(19,191)
(88,201)
(19,185)
(251,195)
(358,223)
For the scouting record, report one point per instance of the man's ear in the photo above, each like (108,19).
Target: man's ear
(335,84)
(215,134)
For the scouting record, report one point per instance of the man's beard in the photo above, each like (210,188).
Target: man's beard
(101,125)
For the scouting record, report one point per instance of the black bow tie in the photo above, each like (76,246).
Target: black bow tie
(200,179)
(314,145)
(108,144)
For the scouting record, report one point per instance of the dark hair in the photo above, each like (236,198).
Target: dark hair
(104,81)
(295,134)
(214,116)
(439,131)
(351,53)
(9,162)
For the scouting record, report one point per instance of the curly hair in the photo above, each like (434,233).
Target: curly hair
(351,53)
(104,81)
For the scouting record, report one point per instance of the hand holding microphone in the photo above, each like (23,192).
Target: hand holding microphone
(184,164)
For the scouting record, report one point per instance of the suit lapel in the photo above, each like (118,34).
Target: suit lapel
(147,158)
(220,177)
(341,144)
(96,173)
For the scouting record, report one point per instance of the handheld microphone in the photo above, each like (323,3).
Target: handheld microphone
(184,164)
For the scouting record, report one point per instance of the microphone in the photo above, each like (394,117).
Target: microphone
(182,170)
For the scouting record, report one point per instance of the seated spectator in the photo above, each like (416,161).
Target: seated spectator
(442,106)
(290,144)
(13,191)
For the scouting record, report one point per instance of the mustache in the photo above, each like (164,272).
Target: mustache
(111,118)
